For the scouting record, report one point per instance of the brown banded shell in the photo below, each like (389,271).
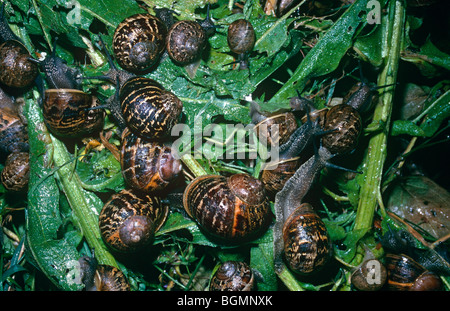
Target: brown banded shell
(16,69)
(231,208)
(67,113)
(109,278)
(147,165)
(241,36)
(345,123)
(266,130)
(307,246)
(129,220)
(139,41)
(232,276)
(148,109)
(405,274)
(275,176)
(16,173)
(186,41)
(13,134)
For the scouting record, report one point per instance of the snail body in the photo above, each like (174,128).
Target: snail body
(307,246)
(16,173)
(147,165)
(186,41)
(139,41)
(232,276)
(129,220)
(148,109)
(230,208)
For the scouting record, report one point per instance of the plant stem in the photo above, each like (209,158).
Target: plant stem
(79,203)
(376,153)
(289,280)
(193,165)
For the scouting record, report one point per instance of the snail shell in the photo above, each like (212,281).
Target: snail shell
(16,70)
(186,41)
(231,208)
(13,134)
(129,220)
(241,36)
(148,109)
(147,165)
(266,130)
(139,41)
(67,113)
(371,275)
(307,246)
(232,276)
(16,173)
(108,278)
(345,125)
(404,273)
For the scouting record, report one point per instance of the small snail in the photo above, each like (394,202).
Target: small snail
(13,134)
(296,221)
(232,276)
(231,208)
(147,165)
(344,125)
(307,245)
(370,275)
(275,175)
(186,41)
(68,111)
(108,278)
(129,220)
(16,173)
(97,277)
(267,125)
(139,41)
(16,68)
(241,40)
(148,109)
(404,274)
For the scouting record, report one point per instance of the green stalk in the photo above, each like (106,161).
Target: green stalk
(289,280)
(193,165)
(82,209)
(370,194)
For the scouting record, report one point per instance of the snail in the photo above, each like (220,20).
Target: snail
(307,245)
(67,110)
(147,165)
(13,134)
(140,103)
(16,173)
(404,274)
(272,129)
(129,220)
(148,109)
(16,68)
(99,277)
(370,275)
(232,276)
(186,41)
(138,42)
(241,40)
(232,208)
